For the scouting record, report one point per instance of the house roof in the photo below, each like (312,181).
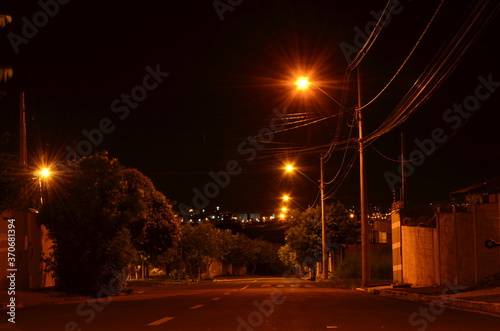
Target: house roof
(489,186)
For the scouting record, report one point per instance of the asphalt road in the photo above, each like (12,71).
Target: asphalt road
(250,304)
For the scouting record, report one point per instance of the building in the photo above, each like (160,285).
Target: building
(448,244)
(24,258)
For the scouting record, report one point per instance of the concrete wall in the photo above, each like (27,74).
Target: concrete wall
(32,242)
(219,268)
(464,258)
(420,256)
(453,251)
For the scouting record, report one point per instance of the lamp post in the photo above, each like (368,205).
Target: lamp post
(289,168)
(303,83)
(42,174)
(365,239)
(323,221)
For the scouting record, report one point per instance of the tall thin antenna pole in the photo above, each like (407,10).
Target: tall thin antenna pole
(23,149)
(403,175)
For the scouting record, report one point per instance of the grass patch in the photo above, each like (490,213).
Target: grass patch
(350,268)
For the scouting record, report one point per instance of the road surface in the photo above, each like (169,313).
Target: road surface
(247,305)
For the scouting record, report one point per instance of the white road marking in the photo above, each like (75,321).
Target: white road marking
(227,293)
(332,327)
(244,287)
(266,285)
(215,299)
(160,321)
(294,285)
(280,285)
(196,307)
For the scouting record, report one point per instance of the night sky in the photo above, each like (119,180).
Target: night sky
(178,90)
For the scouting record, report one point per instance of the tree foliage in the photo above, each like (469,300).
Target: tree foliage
(92,218)
(303,238)
(203,244)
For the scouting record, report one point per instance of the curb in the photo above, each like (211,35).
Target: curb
(478,306)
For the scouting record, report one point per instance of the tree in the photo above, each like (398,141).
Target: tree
(242,250)
(288,256)
(89,218)
(156,230)
(303,238)
(266,253)
(201,244)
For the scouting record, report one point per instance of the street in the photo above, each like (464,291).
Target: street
(250,304)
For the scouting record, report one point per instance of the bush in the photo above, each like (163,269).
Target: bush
(380,265)
(179,274)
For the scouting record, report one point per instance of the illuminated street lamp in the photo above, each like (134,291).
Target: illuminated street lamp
(43,174)
(303,83)
(289,168)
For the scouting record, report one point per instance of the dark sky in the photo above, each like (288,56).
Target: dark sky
(225,77)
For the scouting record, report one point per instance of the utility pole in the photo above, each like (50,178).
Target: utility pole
(365,239)
(403,174)
(323,221)
(23,150)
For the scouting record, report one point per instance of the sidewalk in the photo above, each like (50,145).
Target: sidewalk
(480,300)
(28,298)
(48,296)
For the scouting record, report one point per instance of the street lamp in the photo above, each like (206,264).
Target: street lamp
(303,83)
(290,168)
(42,174)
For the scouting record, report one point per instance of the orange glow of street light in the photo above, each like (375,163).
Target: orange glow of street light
(284,209)
(289,168)
(45,173)
(286,197)
(302,83)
